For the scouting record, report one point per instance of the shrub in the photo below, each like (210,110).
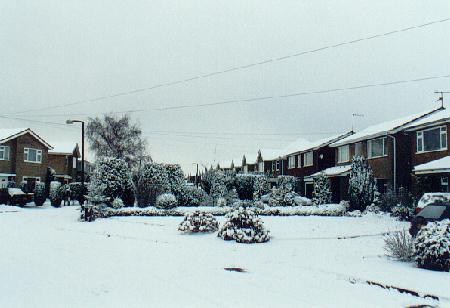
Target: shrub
(128,196)
(166,201)
(221,202)
(39,194)
(117,203)
(77,192)
(55,194)
(191,196)
(198,222)
(432,246)
(152,181)
(175,176)
(261,186)
(322,190)
(399,245)
(362,186)
(244,226)
(218,186)
(245,186)
(65,193)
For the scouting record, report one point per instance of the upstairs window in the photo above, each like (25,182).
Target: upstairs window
(343,154)
(434,139)
(299,161)
(291,162)
(4,152)
(32,155)
(377,147)
(308,159)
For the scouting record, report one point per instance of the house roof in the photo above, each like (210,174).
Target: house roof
(7,134)
(435,166)
(64,148)
(299,145)
(333,171)
(271,154)
(442,116)
(382,129)
(302,145)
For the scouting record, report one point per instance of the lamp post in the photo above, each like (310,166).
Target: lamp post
(82,148)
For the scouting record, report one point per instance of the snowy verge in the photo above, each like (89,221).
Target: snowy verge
(320,210)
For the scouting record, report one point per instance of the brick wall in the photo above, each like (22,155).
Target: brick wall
(6,166)
(23,168)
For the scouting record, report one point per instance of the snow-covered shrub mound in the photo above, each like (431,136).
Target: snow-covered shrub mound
(166,201)
(399,245)
(261,186)
(117,203)
(402,212)
(39,194)
(432,246)
(244,226)
(198,222)
(151,182)
(355,213)
(55,194)
(77,192)
(192,196)
(221,202)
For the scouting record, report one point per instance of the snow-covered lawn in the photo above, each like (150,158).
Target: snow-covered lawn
(49,259)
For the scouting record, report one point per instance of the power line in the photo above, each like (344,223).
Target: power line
(237,68)
(272,98)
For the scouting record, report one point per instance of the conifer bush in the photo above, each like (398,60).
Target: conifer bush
(166,201)
(322,190)
(198,221)
(244,226)
(55,194)
(39,194)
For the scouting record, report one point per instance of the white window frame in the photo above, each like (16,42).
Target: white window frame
(339,150)
(305,155)
(369,148)
(299,160)
(277,165)
(420,139)
(6,150)
(261,166)
(38,156)
(291,162)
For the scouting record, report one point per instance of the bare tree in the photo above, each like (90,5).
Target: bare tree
(117,137)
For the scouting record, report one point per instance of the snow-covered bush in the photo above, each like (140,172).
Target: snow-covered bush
(245,186)
(372,209)
(221,202)
(77,192)
(166,201)
(400,204)
(218,186)
(399,245)
(286,183)
(128,196)
(362,186)
(117,203)
(244,226)
(55,194)
(111,177)
(65,193)
(39,194)
(198,222)
(322,190)
(432,246)
(355,213)
(191,196)
(176,180)
(152,181)
(261,186)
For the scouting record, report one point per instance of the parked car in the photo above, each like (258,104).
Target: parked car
(429,198)
(434,212)
(14,196)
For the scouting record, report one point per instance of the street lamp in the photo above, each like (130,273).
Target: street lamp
(82,148)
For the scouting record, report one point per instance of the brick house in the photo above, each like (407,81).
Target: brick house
(388,148)
(23,156)
(64,160)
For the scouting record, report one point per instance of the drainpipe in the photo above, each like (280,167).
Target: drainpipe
(395,160)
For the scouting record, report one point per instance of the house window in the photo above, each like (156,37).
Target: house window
(308,159)
(434,139)
(278,165)
(377,147)
(359,149)
(299,161)
(4,152)
(444,183)
(343,154)
(32,155)
(291,162)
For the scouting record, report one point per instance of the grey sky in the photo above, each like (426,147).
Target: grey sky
(59,52)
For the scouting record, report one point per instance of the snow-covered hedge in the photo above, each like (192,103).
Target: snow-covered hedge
(166,201)
(244,226)
(432,246)
(321,210)
(198,221)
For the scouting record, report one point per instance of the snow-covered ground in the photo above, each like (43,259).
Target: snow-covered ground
(49,259)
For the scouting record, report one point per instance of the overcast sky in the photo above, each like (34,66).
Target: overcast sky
(60,52)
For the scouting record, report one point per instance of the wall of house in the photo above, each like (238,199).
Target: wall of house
(6,166)
(62,164)
(23,168)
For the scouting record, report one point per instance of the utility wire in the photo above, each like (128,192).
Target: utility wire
(237,68)
(272,98)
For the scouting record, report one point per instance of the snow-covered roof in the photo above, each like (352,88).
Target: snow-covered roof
(299,145)
(384,128)
(306,145)
(271,154)
(7,134)
(442,116)
(334,171)
(435,166)
(63,147)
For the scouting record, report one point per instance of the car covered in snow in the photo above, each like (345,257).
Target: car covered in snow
(14,196)
(433,212)
(430,198)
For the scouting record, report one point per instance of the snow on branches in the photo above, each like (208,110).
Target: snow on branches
(244,226)
(198,221)
(362,186)
(322,191)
